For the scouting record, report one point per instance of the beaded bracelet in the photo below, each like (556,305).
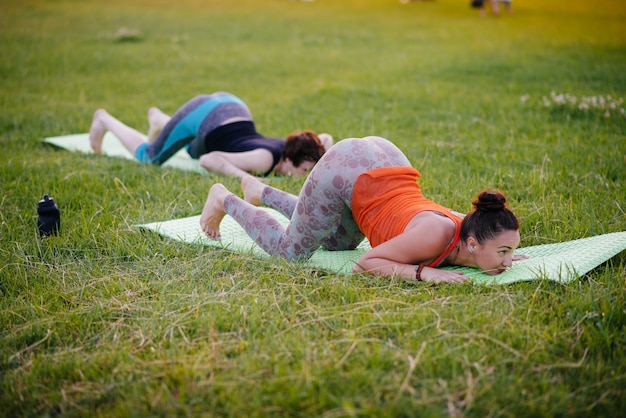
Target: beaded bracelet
(418,272)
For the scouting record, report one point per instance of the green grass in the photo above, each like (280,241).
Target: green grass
(104,320)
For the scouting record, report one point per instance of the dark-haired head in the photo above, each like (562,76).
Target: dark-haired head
(490,217)
(303,146)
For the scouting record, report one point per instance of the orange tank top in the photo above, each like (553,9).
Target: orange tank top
(385,199)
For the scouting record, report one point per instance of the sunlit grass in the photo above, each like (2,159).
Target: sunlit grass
(106,320)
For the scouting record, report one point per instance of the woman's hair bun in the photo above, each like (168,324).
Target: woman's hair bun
(490,201)
(489,217)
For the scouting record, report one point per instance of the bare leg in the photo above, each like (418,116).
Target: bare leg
(103,122)
(495,7)
(157,120)
(213,211)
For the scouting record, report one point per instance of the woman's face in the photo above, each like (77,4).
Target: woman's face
(302,170)
(495,255)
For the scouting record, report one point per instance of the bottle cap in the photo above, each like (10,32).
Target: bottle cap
(46,201)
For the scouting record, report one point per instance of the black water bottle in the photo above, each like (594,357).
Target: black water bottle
(49,217)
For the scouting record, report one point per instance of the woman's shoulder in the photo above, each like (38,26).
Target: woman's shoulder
(435,224)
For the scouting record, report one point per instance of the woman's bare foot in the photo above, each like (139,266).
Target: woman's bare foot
(252,190)
(157,121)
(213,211)
(97,130)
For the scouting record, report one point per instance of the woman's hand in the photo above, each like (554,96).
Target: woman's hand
(433,275)
(326,140)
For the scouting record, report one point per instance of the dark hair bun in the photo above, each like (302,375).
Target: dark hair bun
(490,201)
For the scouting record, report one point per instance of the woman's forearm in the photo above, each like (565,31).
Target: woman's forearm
(216,164)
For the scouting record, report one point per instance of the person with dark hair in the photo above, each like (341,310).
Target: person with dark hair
(366,187)
(218,130)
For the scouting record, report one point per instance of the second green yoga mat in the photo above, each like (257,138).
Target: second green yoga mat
(112,147)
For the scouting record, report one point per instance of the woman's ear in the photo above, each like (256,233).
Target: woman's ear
(471,244)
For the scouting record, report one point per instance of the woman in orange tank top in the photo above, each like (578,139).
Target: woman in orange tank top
(366,187)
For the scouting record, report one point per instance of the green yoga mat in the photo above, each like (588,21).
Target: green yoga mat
(112,147)
(561,262)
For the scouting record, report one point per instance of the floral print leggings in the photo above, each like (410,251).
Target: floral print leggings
(321,215)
